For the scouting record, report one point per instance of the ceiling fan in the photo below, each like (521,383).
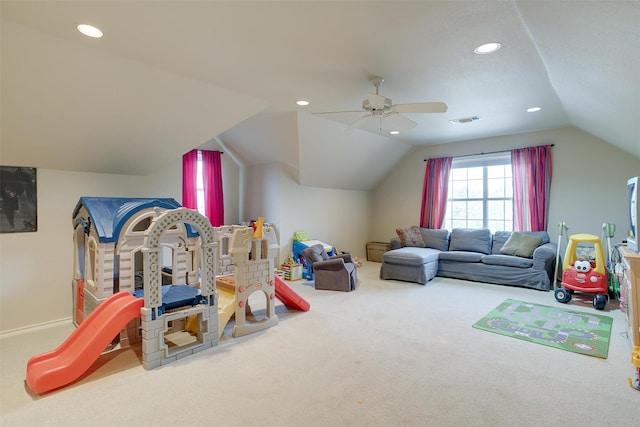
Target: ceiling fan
(381,108)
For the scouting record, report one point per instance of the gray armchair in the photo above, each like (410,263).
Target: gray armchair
(336,273)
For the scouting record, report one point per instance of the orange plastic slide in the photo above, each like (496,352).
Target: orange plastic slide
(288,296)
(65,364)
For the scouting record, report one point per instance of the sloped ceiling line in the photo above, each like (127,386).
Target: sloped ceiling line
(534,43)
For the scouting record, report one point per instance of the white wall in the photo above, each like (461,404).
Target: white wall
(587,189)
(338,217)
(263,193)
(36,268)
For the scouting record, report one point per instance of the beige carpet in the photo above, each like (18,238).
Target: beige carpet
(388,354)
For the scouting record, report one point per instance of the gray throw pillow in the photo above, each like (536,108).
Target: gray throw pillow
(521,244)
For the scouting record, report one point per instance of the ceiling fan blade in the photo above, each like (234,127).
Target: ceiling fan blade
(421,107)
(359,122)
(376,101)
(339,112)
(398,122)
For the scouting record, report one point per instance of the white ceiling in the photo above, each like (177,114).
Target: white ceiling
(170,76)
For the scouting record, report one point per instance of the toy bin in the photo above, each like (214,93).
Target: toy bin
(375,250)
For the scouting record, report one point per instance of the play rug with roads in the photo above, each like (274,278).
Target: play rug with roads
(575,331)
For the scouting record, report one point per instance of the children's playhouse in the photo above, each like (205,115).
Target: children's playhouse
(151,271)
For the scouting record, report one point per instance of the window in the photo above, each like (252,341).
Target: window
(200,184)
(480,193)
(90,264)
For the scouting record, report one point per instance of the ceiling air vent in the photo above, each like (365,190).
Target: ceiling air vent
(465,120)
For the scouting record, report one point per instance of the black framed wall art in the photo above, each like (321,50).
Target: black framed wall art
(18,199)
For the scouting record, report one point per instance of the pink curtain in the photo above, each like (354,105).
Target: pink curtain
(212,182)
(190,180)
(213,196)
(434,192)
(532,169)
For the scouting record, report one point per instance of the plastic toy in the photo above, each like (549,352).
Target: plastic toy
(635,360)
(254,259)
(125,252)
(108,237)
(288,296)
(562,229)
(608,231)
(584,270)
(75,355)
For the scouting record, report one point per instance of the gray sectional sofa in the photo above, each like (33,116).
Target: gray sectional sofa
(524,259)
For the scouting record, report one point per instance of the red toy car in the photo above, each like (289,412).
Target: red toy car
(584,273)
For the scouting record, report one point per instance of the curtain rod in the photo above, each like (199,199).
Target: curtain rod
(199,149)
(488,152)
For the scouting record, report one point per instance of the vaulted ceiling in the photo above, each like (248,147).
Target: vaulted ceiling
(171,76)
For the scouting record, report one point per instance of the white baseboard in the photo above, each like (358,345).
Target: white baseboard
(31,328)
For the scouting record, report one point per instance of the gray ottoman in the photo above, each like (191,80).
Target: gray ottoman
(410,264)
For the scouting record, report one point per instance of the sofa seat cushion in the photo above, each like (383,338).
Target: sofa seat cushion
(462,256)
(507,261)
(411,256)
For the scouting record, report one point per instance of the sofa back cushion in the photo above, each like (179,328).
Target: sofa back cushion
(499,239)
(435,239)
(315,253)
(471,240)
(543,235)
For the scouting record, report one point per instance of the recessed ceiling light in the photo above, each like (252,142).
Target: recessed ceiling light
(394,132)
(533,109)
(89,31)
(487,48)
(302,102)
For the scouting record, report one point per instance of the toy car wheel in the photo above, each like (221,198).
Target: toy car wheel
(599,302)
(562,296)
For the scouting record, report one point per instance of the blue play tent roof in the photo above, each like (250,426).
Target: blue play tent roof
(109,214)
